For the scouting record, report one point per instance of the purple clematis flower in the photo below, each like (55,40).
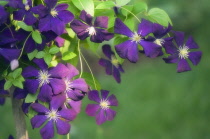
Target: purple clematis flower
(159,32)
(48,81)
(54,116)
(9,54)
(55,17)
(75,89)
(26,12)
(113,67)
(102,110)
(4,15)
(129,48)
(182,52)
(86,28)
(2,92)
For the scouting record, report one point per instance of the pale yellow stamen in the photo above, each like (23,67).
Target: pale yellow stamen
(91,31)
(27,7)
(114,61)
(52,115)
(104,104)
(136,37)
(53,12)
(183,52)
(159,42)
(43,77)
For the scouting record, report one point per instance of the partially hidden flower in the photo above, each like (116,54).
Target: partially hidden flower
(86,28)
(55,17)
(75,89)
(26,12)
(129,48)
(112,66)
(52,116)
(182,51)
(46,81)
(101,111)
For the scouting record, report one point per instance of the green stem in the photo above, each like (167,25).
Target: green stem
(90,70)
(130,13)
(24,46)
(80,59)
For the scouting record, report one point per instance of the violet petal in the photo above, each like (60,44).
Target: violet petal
(195,57)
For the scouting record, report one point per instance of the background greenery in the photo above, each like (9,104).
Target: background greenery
(155,102)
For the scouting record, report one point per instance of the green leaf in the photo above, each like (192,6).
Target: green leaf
(7,85)
(105,5)
(159,16)
(31,98)
(69,55)
(20,78)
(87,5)
(18,83)
(32,54)
(129,22)
(139,7)
(122,2)
(17,73)
(93,83)
(54,50)
(70,32)
(40,54)
(3,3)
(47,58)
(37,36)
(129,8)
(24,26)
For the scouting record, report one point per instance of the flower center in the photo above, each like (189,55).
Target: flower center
(53,12)
(104,104)
(91,31)
(52,115)
(27,7)
(43,77)
(136,37)
(68,85)
(183,52)
(159,42)
(114,61)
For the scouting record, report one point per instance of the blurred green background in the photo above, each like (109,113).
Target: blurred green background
(155,102)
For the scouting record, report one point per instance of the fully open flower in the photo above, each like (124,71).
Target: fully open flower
(112,66)
(86,28)
(49,81)
(102,110)
(182,52)
(129,48)
(55,17)
(54,116)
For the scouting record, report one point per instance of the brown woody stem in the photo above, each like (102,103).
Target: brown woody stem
(19,117)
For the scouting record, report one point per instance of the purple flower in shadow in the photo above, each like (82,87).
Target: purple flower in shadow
(112,66)
(54,115)
(4,15)
(101,111)
(55,17)
(129,48)
(85,28)
(180,53)
(26,12)
(46,81)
